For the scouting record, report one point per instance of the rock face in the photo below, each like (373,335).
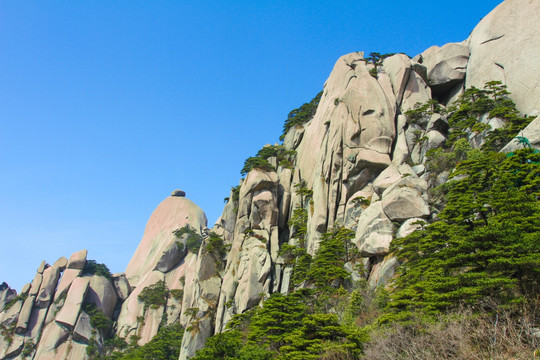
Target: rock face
(173,213)
(504,47)
(360,163)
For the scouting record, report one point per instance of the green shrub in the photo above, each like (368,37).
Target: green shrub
(486,245)
(178,294)
(165,345)
(20,297)
(259,161)
(154,296)
(93,268)
(336,248)
(28,349)
(301,115)
(303,191)
(193,241)
(298,222)
(98,319)
(215,244)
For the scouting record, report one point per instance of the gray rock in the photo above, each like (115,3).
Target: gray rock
(42,267)
(404,200)
(437,122)
(387,177)
(121,285)
(83,330)
(446,66)
(170,258)
(409,226)
(7,294)
(179,193)
(382,272)
(101,293)
(374,232)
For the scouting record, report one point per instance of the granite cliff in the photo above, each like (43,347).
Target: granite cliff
(359,162)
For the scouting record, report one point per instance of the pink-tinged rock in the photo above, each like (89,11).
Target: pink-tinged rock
(48,285)
(77,260)
(24,316)
(173,213)
(77,351)
(417,91)
(36,322)
(53,336)
(132,308)
(150,327)
(69,313)
(67,278)
(101,293)
(15,347)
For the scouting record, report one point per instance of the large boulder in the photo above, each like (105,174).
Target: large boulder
(101,293)
(77,260)
(504,46)
(67,317)
(374,231)
(48,286)
(446,66)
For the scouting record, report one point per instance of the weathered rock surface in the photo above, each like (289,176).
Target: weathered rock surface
(504,47)
(77,260)
(172,214)
(446,66)
(69,313)
(531,133)
(360,163)
(375,231)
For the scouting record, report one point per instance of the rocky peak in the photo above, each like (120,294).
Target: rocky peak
(359,162)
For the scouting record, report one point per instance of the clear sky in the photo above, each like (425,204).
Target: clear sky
(108,106)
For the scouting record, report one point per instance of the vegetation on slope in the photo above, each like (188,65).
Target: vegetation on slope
(301,115)
(468,285)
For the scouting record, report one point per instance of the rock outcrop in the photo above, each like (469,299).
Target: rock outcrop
(504,47)
(360,163)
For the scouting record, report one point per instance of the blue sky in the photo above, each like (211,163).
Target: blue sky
(108,106)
